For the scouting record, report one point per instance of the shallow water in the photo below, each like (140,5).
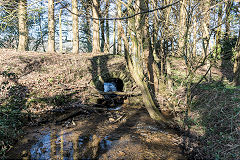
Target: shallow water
(68,146)
(96,137)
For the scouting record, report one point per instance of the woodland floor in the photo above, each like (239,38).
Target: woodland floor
(49,110)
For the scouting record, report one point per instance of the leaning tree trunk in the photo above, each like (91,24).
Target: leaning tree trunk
(23,31)
(51,28)
(96,34)
(135,62)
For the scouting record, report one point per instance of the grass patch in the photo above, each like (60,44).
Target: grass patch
(218,112)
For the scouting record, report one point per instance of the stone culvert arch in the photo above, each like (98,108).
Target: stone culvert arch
(107,67)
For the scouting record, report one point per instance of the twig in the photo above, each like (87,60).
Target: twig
(121,93)
(231,148)
(193,87)
(122,18)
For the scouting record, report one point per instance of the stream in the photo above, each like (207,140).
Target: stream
(97,136)
(120,132)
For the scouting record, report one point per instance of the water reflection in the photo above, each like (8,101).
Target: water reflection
(115,108)
(42,149)
(53,145)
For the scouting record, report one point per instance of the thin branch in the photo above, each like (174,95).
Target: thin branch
(203,77)
(122,18)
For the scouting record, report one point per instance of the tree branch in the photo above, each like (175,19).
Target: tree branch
(121,18)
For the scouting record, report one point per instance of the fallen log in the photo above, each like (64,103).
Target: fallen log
(127,94)
(79,109)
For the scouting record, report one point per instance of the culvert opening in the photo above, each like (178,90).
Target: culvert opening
(113,84)
(112,100)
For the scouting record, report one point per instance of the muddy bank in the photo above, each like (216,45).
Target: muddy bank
(126,133)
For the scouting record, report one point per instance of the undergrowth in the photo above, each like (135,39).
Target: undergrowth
(12,103)
(216,110)
(214,115)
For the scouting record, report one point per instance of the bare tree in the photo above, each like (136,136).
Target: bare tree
(107,43)
(23,31)
(135,60)
(182,22)
(119,39)
(87,6)
(51,27)
(236,68)
(206,32)
(60,32)
(102,44)
(75,27)
(226,51)
(96,34)
(219,29)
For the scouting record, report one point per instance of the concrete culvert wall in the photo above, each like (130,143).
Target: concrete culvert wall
(109,68)
(112,68)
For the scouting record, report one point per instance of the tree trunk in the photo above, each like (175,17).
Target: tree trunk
(226,53)
(106,48)
(75,27)
(41,33)
(114,37)
(156,50)
(227,24)
(219,29)
(148,50)
(102,35)
(60,32)
(119,40)
(96,34)
(236,68)
(135,62)
(23,31)
(194,51)
(182,28)
(87,7)
(206,36)
(51,27)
